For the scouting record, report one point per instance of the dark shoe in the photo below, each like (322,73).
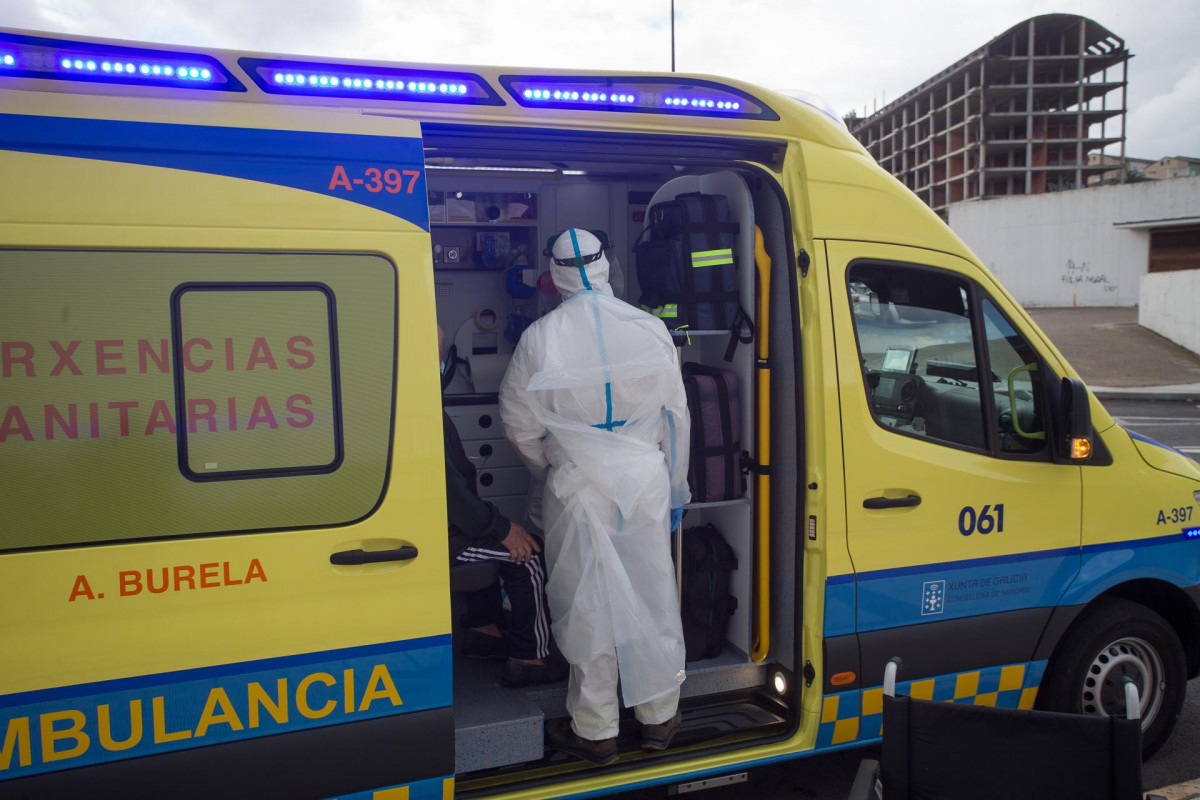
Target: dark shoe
(563,738)
(480,645)
(658,737)
(517,673)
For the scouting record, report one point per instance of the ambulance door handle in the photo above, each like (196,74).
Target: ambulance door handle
(355,557)
(892,502)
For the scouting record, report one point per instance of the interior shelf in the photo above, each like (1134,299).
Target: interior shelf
(719,503)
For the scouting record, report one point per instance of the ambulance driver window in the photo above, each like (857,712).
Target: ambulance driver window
(1017,385)
(917,353)
(256,368)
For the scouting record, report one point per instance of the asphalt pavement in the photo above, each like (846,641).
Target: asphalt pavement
(1119,359)
(1175,423)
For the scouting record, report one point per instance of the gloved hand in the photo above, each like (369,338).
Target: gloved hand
(676,517)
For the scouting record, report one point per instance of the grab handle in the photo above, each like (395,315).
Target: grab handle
(892,502)
(355,557)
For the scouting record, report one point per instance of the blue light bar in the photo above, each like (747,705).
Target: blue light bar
(318,79)
(703,102)
(1192,533)
(571,95)
(157,69)
(636,95)
(64,59)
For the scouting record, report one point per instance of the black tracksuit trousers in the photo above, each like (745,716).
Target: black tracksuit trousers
(529,632)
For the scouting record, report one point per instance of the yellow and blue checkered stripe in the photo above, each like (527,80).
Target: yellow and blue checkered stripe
(431,789)
(857,716)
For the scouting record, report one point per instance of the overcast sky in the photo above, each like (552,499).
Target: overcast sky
(854,53)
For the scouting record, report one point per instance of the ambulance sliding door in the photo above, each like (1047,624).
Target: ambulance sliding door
(223,564)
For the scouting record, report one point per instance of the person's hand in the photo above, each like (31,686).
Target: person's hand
(676,517)
(520,545)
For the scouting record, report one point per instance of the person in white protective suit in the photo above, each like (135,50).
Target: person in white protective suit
(594,402)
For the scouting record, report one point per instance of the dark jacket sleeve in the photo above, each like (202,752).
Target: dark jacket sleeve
(468,514)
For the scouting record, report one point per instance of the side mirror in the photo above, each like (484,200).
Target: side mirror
(1075,417)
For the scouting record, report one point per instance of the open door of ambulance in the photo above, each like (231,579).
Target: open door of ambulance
(223,565)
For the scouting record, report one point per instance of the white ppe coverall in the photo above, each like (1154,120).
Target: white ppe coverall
(594,401)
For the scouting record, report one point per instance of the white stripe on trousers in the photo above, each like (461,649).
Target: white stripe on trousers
(541,621)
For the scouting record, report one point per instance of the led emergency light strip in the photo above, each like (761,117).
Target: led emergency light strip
(145,69)
(63,59)
(628,98)
(638,95)
(570,95)
(390,84)
(380,83)
(703,102)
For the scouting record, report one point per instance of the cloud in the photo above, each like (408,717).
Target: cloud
(852,54)
(1168,124)
(234,24)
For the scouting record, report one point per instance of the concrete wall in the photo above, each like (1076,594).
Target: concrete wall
(1061,249)
(1169,305)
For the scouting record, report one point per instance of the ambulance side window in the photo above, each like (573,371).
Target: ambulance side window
(917,352)
(152,394)
(1021,427)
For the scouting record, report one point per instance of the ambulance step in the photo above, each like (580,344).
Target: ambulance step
(496,727)
(717,715)
(493,726)
(704,719)
(483,743)
(728,672)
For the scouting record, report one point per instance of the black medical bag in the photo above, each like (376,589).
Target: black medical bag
(686,260)
(707,602)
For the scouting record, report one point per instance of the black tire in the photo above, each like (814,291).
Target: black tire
(1113,639)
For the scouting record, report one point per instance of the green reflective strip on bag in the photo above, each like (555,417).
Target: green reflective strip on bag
(712,258)
(668,311)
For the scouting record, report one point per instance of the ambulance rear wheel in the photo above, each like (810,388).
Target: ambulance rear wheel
(1115,640)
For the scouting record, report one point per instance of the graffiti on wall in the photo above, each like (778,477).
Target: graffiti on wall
(1081,273)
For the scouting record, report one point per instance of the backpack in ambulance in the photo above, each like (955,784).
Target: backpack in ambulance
(686,264)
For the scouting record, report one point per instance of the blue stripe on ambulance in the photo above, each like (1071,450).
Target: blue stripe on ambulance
(74,726)
(892,598)
(298,159)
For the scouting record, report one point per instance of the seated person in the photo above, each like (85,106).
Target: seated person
(479,532)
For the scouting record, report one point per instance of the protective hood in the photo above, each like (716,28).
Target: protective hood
(578,262)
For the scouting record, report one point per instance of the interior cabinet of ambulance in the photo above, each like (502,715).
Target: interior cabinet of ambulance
(489,232)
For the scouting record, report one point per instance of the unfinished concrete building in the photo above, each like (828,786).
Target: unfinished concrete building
(1020,115)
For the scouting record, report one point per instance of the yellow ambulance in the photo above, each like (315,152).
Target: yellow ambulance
(223,556)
